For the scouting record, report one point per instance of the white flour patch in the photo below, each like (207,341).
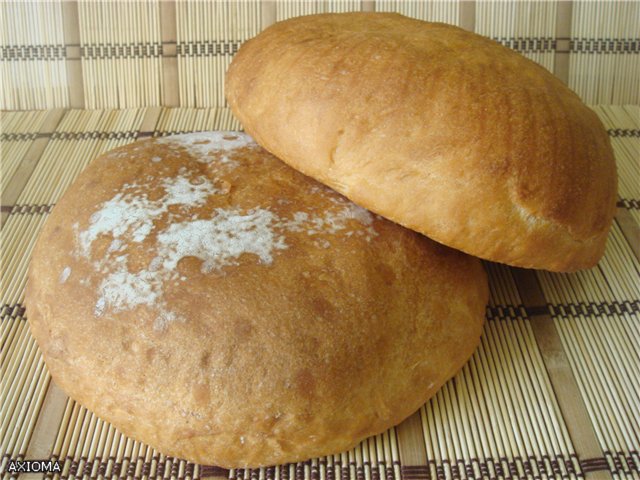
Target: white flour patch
(204,145)
(116,245)
(122,290)
(333,222)
(354,212)
(129,216)
(129,212)
(120,154)
(324,243)
(156,159)
(221,240)
(123,213)
(218,242)
(100,306)
(64,275)
(181,190)
(155,264)
(164,318)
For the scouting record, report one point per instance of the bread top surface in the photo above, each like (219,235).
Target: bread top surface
(439,129)
(220,306)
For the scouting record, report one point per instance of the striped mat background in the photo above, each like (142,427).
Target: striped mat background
(552,392)
(108,54)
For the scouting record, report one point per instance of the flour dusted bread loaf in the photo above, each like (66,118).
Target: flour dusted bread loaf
(218,305)
(435,128)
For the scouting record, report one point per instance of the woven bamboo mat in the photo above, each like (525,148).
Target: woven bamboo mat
(552,392)
(16,129)
(108,54)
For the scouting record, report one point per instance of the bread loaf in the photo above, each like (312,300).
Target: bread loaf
(218,305)
(436,128)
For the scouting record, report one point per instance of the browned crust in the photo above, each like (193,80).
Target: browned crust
(436,128)
(272,363)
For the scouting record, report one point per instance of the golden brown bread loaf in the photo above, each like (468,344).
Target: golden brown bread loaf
(436,128)
(209,300)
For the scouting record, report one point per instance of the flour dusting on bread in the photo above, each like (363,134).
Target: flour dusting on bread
(336,222)
(122,290)
(221,240)
(218,238)
(181,190)
(217,242)
(117,216)
(64,275)
(332,222)
(204,146)
(132,210)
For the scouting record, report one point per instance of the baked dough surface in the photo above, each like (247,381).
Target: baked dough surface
(436,128)
(209,300)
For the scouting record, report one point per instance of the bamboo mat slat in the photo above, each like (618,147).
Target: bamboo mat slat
(605,51)
(528,27)
(121,53)
(447,11)
(25,380)
(208,35)
(597,314)
(623,124)
(500,417)
(288,9)
(80,137)
(32,67)
(18,130)
(25,166)
(181,120)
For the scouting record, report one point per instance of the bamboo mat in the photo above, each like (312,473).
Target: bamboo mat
(32,56)
(208,36)
(528,27)
(552,392)
(286,10)
(108,54)
(125,72)
(605,48)
(17,134)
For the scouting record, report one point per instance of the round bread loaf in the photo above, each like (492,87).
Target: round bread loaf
(218,305)
(436,128)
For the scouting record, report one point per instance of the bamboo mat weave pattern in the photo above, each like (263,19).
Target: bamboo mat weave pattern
(208,36)
(552,392)
(446,11)
(32,56)
(286,10)
(120,53)
(528,27)
(106,54)
(605,51)
(17,132)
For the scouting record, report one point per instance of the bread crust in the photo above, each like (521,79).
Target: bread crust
(220,306)
(436,128)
